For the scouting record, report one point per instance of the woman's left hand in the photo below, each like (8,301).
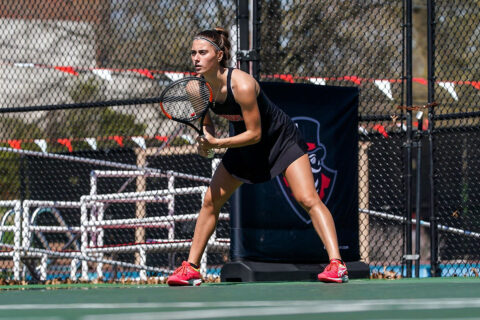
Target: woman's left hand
(206,142)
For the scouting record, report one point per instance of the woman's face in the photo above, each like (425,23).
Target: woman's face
(204,56)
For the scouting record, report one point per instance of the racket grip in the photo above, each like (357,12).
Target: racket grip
(210,153)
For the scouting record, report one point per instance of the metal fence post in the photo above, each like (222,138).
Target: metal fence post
(248,55)
(256,14)
(409,142)
(244,43)
(431,98)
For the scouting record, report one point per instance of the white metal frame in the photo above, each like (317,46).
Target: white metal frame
(92,224)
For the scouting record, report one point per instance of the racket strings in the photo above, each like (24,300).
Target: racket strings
(187,100)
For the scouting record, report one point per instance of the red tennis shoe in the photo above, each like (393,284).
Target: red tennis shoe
(336,272)
(185,275)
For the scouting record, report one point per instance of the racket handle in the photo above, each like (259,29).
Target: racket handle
(210,152)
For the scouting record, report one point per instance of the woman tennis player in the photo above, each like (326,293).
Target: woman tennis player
(265,143)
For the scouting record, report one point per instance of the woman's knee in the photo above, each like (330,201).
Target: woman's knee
(208,202)
(213,202)
(308,201)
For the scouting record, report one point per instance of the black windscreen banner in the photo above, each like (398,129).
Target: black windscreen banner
(267,224)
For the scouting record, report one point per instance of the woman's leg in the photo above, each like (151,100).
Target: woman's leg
(221,188)
(300,178)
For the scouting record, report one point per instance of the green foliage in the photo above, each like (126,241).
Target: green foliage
(84,91)
(9,176)
(14,129)
(170,25)
(93,122)
(331,39)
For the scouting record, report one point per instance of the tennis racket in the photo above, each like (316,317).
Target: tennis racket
(187,100)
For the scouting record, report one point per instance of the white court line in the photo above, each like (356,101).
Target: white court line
(150,305)
(251,308)
(456,318)
(35,318)
(313,307)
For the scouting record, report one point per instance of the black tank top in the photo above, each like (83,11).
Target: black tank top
(280,144)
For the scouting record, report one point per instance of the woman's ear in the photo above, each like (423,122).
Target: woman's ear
(219,55)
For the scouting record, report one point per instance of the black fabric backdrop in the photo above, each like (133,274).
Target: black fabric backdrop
(266,222)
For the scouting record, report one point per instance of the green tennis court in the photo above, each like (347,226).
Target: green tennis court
(433,298)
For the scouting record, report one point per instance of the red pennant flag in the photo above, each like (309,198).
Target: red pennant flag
(67,143)
(144,72)
(15,144)
(287,77)
(475,84)
(118,139)
(162,138)
(70,70)
(354,79)
(420,80)
(381,130)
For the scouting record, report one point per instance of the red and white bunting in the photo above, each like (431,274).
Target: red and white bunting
(67,143)
(117,139)
(92,142)
(140,141)
(450,87)
(174,75)
(385,86)
(15,144)
(380,129)
(42,144)
(319,81)
(24,65)
(144,72)
(362,130)
(104,74)
(66,69)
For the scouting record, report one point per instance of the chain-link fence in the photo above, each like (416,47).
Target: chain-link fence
(352,44)
(456,138)
(111,193)
(105,193)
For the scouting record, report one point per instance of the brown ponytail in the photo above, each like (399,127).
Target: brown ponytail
(219,36)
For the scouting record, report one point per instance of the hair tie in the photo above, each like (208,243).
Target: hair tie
(208,40)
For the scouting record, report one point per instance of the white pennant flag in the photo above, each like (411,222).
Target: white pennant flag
(140,141)
(450,87)
(42,143)
(386,87)
(103,73)
(362,130)
(92,142)
(319,81)
(24,65)
(174,75)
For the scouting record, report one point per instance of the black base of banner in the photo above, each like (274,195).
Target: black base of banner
(253,271)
